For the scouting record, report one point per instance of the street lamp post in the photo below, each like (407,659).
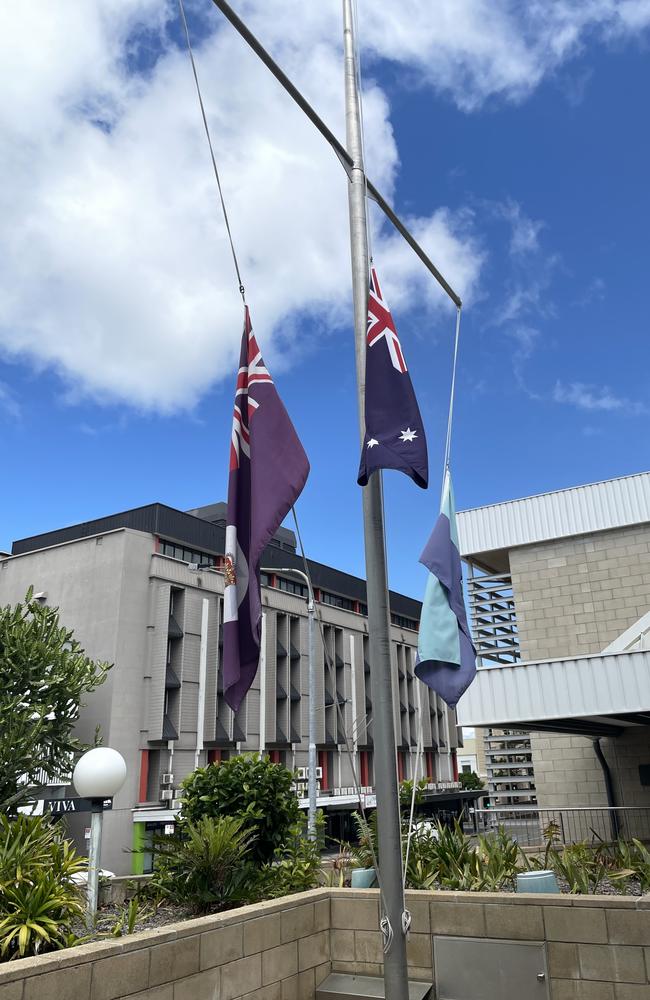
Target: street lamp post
(311,778)
(98,775)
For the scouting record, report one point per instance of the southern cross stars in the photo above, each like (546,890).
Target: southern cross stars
(408,435)
(372,442)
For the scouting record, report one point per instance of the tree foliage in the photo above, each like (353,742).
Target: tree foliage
(470,781)
(251,788)
(44,674)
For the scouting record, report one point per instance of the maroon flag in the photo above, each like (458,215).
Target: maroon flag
(268,469)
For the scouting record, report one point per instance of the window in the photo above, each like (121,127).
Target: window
(291,586)
(336,601)
(186,555)
(403,622)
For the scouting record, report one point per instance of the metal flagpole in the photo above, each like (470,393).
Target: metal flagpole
(388,810)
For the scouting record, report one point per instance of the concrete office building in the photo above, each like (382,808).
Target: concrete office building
(128,586)
(562,581)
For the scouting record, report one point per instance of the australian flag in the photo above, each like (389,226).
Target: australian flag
(394,430)
(268,469)
(446,658)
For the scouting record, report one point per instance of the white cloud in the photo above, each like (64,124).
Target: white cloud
(116,270)
(597,398)
(471,49)
(118,274)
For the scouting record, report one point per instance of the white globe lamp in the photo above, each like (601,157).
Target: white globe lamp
(99,774)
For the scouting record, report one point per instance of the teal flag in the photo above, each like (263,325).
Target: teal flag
(446,656)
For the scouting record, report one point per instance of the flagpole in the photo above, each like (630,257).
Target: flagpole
(385,770)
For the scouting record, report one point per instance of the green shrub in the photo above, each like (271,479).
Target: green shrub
(132,912)
(470,781)
(206,866)
(444,857)
(365,853)
(250,788)
(39,903)
(580,865)
(296,866)
(406,792)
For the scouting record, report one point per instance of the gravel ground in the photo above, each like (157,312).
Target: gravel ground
(149,918)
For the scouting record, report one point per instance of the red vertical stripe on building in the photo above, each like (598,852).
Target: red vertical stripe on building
(214,756)
(363,768)
(455,765)
(400,766)
(144,775)
(322,763)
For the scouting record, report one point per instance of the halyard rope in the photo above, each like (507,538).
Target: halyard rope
(384,923)
(212,156)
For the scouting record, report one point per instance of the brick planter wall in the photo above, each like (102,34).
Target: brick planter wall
(278,950)
(598,948)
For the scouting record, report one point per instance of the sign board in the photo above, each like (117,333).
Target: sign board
(60,806)
(369,801)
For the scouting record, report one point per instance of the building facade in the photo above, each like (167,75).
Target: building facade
(471,757)
(143,590)
(560,592)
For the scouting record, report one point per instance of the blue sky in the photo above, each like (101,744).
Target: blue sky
(521,163)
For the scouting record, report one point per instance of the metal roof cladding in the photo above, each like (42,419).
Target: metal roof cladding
(579,510)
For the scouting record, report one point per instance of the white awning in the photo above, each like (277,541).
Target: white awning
(583,694)
(614,503)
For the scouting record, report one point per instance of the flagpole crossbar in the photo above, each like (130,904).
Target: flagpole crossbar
(338,147)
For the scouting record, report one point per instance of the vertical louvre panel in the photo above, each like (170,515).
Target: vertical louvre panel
(158,661)
(211,677)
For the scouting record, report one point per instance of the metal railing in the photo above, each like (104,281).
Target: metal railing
(528,825)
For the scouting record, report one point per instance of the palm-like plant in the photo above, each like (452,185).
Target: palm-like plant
(38,900)
(206,867)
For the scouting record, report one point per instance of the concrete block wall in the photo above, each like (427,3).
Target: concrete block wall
(576,595)
(597,947)
(278,950)
(573,597)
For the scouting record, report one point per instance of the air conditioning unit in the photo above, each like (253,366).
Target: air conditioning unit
(166,794)
(319,772)
(176,803)
(301,772)
(167,779)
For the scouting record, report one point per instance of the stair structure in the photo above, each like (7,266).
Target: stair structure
(341,986)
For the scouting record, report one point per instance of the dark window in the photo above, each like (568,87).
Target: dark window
(336,600)
(291,586)
(403,622)
(186,555)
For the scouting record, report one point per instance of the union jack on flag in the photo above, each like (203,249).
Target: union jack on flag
(394,431)
(380,323)
(253,373)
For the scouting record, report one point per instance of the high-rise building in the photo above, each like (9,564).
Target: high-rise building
(143,590)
